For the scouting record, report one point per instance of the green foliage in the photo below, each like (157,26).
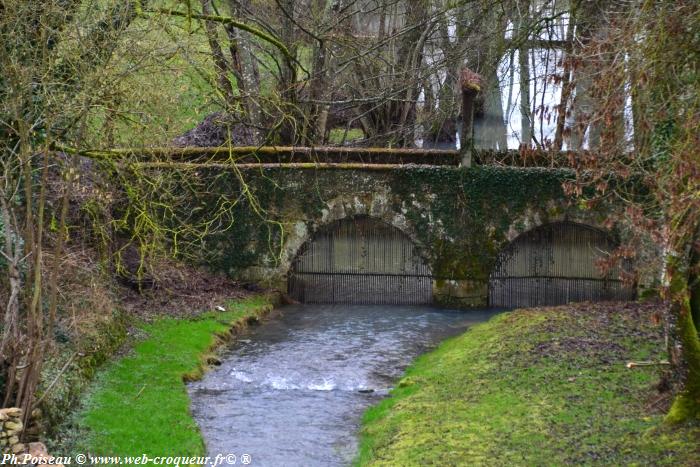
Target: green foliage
(166,86)
(475,207)
(532,387)
(140,404)
(461,216)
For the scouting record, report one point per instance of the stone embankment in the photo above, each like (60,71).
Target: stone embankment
(12,427)
(13,449)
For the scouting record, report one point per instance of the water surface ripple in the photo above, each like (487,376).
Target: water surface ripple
(291,392)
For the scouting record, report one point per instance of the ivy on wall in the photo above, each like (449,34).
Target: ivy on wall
(461,216)
(475,208)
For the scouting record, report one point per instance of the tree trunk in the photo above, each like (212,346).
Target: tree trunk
(524,74)
(245,69)
(587,17)
(467,134)
(694,280)
(566,89)
(684,296)
(288,78)
(317,114)
(490,130)
(220,63)
(442,127)
(9,351)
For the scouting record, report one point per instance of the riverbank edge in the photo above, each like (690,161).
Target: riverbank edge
(138,403)
(541,386)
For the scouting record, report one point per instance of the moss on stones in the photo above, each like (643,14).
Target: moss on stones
(460,218)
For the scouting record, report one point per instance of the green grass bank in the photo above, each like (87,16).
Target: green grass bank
(546,386)
(139,404)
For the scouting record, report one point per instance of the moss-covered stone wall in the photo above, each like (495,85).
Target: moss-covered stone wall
(460,218)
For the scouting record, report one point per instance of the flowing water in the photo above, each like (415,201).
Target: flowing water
(291,392)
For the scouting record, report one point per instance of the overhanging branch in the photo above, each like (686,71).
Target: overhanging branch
(269,38)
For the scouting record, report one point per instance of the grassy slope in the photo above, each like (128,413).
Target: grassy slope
(140,404)
(533,387)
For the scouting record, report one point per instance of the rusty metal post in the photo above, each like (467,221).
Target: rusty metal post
(466,136)
(471,84)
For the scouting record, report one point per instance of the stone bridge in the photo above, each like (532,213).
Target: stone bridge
(452,236)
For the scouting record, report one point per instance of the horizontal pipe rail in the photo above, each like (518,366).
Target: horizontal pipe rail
(175,153)
(327,154)
(277,165)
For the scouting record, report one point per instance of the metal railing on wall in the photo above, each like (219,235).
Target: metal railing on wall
(323,157)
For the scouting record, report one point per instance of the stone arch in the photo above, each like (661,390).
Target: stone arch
(375,205)
(535,218)
(363,260)
(555,263)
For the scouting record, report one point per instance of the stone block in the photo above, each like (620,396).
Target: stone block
(11,412)
(13,426)
(38,450)
(18,448)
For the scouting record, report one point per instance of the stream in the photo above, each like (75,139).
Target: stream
(291,392)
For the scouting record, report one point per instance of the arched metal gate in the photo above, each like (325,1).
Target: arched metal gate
(361,261)
(553,265)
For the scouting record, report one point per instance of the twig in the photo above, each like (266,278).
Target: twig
(227,20)
(141,391)
(647,363)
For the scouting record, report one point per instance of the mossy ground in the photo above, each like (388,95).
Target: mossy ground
(544,386)
(339,136)
(139,404)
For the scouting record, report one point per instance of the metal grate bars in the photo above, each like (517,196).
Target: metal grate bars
(360,261)
(554,265)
